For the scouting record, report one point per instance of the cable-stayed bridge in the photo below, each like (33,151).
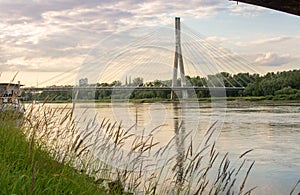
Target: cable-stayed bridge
(153,57)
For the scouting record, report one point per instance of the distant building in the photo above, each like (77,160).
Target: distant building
(9,97)
(83,82)
(10,89)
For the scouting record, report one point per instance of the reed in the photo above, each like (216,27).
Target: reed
(28,168)
(94,148)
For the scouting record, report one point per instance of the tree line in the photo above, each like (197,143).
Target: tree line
(273,86)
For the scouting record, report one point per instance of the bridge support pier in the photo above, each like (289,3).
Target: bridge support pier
(178,60)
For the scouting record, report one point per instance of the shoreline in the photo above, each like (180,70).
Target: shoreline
(153,100)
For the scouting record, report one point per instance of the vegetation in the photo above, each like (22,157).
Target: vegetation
(45,153)
(25,168)
(272,86)
(281,85)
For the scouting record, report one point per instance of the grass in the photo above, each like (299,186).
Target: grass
(46,153)
(26,168)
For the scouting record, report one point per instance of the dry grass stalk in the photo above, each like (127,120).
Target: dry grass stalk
(195,171)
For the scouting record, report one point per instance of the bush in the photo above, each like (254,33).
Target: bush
(286,91)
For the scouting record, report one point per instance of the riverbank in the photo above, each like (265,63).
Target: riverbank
(152,100)
(27,169)
(31,162)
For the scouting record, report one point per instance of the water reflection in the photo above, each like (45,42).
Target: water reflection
(179,129)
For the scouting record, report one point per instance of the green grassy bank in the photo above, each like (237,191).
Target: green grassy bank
(27,169)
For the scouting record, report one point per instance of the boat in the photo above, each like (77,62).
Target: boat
(10,96)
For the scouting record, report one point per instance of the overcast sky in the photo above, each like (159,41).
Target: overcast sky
(41,38)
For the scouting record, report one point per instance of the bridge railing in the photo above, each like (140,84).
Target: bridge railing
(129,88)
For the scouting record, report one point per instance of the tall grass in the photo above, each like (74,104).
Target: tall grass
(26,168)
(94,149)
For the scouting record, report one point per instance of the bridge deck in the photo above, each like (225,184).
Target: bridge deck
(129,88)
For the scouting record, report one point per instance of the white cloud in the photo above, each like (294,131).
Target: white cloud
(273,59)
(271,40)
(41,64)
(216,40)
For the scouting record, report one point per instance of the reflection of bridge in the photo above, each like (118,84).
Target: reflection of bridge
(130,88)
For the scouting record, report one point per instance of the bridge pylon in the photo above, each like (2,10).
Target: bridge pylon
(178,60)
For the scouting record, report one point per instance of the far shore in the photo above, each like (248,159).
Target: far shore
(153,100)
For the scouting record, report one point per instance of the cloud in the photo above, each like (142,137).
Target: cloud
(216,40)
(273,59)
(271,40)
(110,11)
(56,34)
(40,64)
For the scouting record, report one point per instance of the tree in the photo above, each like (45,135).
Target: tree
(116,83)
(137,81)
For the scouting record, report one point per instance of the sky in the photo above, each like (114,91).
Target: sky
(41,39)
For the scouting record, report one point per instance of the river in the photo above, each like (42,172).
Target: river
(272,129)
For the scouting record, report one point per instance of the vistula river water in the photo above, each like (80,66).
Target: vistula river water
(271,129)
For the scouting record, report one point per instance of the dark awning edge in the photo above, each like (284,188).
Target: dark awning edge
(290,6)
